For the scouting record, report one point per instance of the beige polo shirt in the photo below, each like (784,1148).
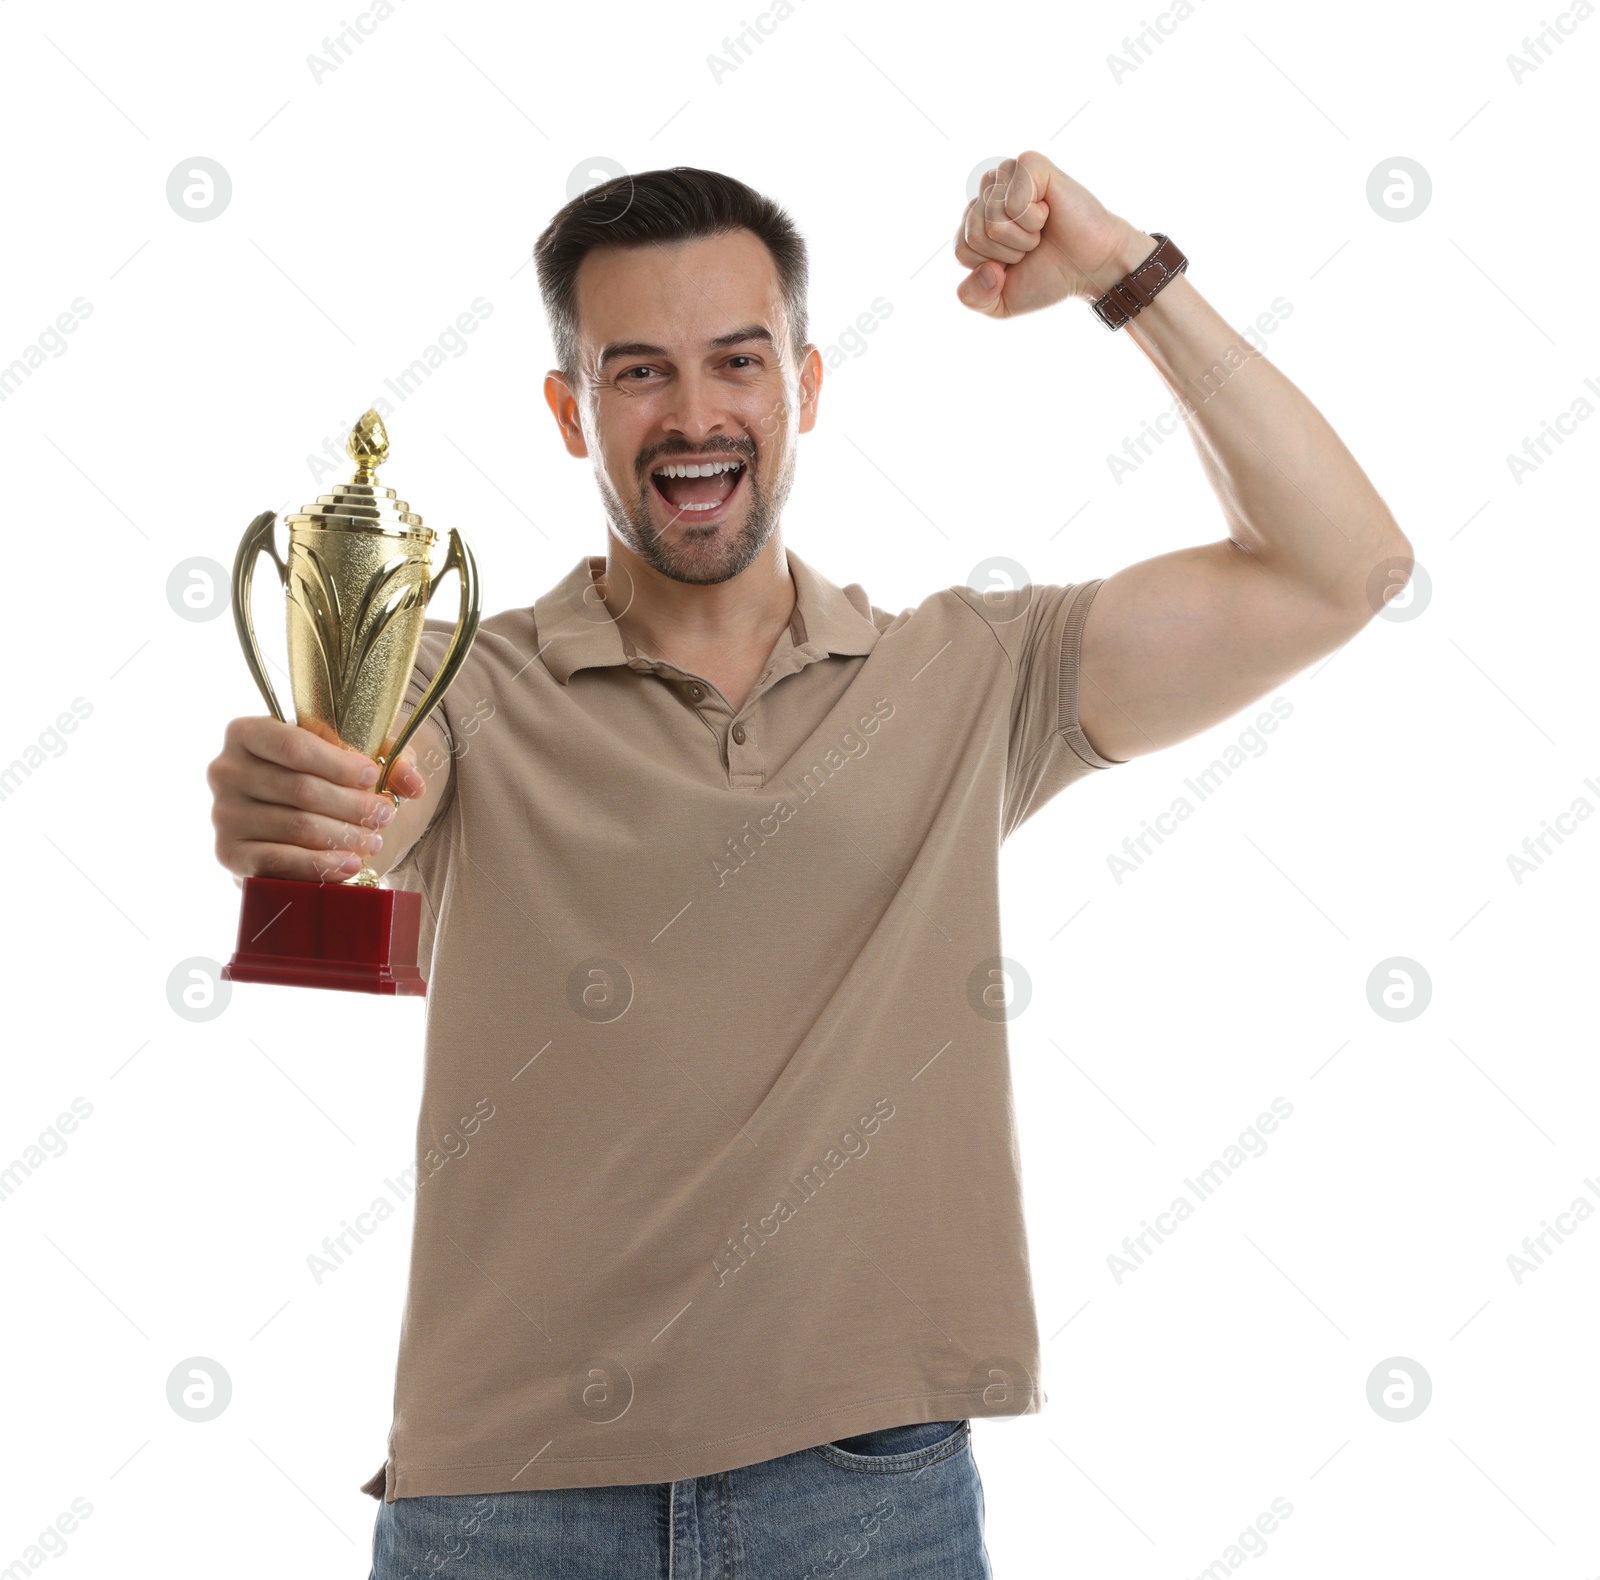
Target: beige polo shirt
(716,1150)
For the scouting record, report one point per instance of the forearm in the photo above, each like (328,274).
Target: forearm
(1292,494)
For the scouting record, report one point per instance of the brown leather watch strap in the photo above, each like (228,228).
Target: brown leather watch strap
(1138,288)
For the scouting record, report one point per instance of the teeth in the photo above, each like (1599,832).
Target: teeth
(704,469)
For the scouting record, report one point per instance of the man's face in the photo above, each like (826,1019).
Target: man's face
(684,360)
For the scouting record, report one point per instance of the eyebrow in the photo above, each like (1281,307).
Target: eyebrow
(640,348)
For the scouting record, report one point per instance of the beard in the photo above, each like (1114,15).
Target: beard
(700,556)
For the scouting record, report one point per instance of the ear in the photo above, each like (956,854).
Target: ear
(563,405)
(810,388)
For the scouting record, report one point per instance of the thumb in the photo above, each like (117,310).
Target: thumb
(983,285)
(405,779)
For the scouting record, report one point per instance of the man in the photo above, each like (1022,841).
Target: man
(719,1238)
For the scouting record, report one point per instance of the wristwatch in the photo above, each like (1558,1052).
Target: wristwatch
(1137,289)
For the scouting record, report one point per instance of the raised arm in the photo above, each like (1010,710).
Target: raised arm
(1175,644)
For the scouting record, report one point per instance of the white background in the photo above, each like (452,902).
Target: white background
(1232,967)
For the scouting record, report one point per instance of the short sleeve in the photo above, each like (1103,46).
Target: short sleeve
(1040,628)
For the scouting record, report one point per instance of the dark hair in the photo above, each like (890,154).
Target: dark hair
(681,204)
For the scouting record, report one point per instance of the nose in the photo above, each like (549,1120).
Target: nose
(699,413)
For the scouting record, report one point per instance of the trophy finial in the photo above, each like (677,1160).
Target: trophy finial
(368,446)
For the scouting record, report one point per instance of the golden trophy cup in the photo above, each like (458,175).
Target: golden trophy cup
(358,582)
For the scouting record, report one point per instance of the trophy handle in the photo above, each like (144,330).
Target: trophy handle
(258,536)
(460,560)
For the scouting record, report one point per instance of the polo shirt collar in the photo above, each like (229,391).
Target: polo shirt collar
(577,632)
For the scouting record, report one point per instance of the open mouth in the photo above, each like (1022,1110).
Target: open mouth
(698,491)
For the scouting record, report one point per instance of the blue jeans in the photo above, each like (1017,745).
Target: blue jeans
(901,1504)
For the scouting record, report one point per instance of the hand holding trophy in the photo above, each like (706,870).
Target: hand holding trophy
(358,583)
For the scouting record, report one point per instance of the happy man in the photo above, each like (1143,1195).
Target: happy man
(709,847)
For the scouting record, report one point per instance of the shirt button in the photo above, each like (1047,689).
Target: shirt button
(696,693)
(738,734)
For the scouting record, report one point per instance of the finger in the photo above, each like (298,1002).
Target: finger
(966,256)
(1012,203)
(268,823)
(293,746)
(1009,213)
(406,777)
(1003,242)
(263,782)
(982,288)
(1006,232)
(289,861)
(1017,199)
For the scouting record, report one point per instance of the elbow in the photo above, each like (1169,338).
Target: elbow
(1370,580)
(1399,545)
(1380,577)
(1391,575)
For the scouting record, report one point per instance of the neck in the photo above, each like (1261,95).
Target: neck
(684,621)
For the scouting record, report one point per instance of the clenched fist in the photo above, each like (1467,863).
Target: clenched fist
(288,804)
(1033,237)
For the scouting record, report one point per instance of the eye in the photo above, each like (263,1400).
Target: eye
(640,369)
(742,357)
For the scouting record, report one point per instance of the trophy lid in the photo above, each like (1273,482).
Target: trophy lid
(362,505)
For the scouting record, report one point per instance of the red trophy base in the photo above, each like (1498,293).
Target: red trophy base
(328,935)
